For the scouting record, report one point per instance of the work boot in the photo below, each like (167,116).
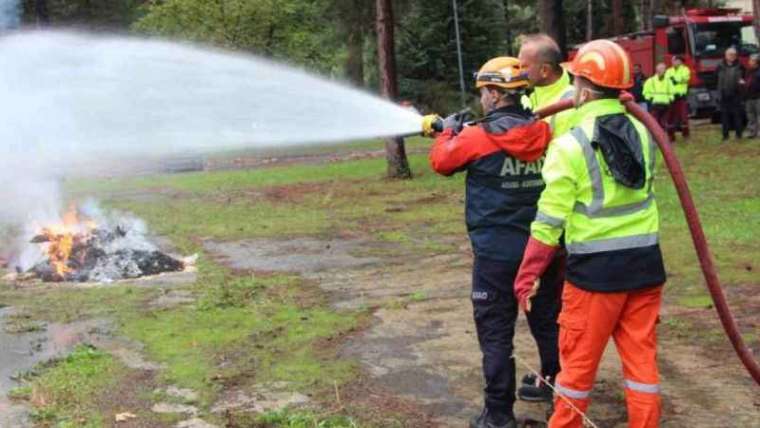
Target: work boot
(492,420)
(537,392)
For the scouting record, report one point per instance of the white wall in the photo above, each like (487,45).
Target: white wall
(744,5)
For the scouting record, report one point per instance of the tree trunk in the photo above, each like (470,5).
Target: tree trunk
(589,20)
(756,13)
(553,22)
(642,15)
(618,26)
(41,12)
(398,165)
(355,43)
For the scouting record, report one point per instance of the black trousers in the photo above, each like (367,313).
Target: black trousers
(731,116)
(495,309)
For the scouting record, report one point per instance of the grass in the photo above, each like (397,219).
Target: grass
(63,390)
(290,419)
(250,329)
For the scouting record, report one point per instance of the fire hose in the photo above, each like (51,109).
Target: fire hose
(695,227)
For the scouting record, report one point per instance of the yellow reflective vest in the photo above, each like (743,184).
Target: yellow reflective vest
(542,96)
(679,76)
(611,230)
(659,90)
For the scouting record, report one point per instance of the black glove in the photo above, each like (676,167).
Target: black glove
(454,121)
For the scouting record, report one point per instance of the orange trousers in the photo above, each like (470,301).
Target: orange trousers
(586,322)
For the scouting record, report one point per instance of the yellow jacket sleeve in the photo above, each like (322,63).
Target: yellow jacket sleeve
(647,92)
(558,198)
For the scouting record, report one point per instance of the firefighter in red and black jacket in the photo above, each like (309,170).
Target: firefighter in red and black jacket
(502,155)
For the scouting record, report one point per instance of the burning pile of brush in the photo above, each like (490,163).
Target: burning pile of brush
(98,248)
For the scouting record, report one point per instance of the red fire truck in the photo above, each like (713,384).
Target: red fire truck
(701,36)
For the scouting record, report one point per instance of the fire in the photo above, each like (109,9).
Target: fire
(58,240)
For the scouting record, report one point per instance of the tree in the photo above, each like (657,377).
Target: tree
(355,17)
(618,26)
(427,53)
(756,13)
(292,30)
(552,21)
(398,165)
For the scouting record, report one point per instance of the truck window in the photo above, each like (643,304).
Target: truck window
(676,42)
(714,38)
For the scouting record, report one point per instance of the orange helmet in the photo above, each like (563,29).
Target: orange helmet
(504,72)
(604,63)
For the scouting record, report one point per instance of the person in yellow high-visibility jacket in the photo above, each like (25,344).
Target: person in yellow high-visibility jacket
(679,74)
(599,194)
(659,92)
(541,57)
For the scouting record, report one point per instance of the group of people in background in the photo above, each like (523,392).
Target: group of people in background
(738,91)
(664,95)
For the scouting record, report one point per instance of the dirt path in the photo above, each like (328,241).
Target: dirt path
(422,346)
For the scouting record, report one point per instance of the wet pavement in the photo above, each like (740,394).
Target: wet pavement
(20,352)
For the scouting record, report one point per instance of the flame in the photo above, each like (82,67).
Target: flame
(58,240)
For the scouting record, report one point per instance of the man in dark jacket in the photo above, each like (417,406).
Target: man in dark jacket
(752,94)
(502,155)
(730,82)
(638,86)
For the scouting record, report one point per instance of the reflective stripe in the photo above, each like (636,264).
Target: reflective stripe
(569,93)
(550,220)
(650,388)
(596,209)
(613,244)
(619,210)
(597,198)
(571,393)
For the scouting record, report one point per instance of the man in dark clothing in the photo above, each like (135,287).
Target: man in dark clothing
(730,82)
(502,155)
(752,94)
(638,86)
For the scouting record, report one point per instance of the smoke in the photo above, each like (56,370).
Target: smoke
(10,14)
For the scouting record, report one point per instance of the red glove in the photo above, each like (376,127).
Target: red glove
(625,96)
(536,259)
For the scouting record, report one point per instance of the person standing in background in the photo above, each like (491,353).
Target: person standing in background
(679,74)
(638,87)
(752,94)
(659,93)
(730,83)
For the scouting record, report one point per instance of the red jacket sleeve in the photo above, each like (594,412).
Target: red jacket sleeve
(526,143)
(450,153)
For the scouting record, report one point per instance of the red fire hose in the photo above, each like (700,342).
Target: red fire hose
(695,226)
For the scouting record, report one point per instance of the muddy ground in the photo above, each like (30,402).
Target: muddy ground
(418,353)
(421,346)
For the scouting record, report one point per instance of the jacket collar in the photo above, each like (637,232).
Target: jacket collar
(554,88)
(598,108)
(514,110)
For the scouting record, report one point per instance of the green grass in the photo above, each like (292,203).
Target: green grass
(247,329)
(63,391)
(291,419)
(58,304)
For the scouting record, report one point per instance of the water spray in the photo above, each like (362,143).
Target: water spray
(695,227)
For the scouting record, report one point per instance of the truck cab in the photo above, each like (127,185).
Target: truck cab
(701,37)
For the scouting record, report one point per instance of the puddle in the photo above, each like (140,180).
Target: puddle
(21,352)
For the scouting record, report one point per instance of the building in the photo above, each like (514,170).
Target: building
(744,5)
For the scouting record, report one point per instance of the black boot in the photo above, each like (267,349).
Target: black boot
(493,420)
(538,392)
